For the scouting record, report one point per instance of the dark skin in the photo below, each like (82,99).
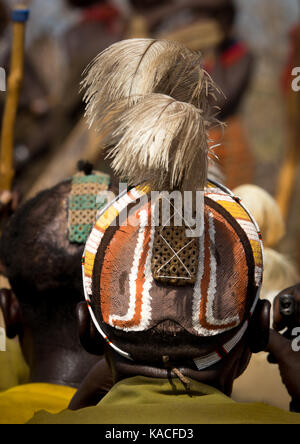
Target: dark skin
(50,359)
(279,321)
(220,376)
(280,346)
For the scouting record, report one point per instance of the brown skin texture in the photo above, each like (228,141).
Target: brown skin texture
(288,362)
(50,361)
(43,269)
(220,376)
(280,346)
(279,322)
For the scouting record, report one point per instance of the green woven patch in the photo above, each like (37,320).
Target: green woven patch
(102,179)
(80,233)
(85,201)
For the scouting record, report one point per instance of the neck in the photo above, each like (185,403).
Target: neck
(220,380)
(56,364)
(220,376)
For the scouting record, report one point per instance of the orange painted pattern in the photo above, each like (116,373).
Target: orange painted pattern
(107,278)
(205,288)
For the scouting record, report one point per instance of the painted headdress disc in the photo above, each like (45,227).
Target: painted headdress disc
(125,295)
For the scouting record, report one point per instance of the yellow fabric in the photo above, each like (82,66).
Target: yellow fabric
(13,369)
(143,400)
(19,404)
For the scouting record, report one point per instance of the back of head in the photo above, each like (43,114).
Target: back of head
(154,291)
(41,250)
(42,266)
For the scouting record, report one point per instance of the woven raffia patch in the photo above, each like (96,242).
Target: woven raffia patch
(175,257)
(85,201)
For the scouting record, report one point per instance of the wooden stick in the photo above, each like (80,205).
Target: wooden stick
(19,18)
(287,176)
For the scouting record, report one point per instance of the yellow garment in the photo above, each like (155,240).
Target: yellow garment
(19,404)
(143,400)
(13,369)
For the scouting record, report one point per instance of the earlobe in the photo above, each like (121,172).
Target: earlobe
(259,327)
(90,339)
(11,313)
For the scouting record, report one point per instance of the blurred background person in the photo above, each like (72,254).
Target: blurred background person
(62,38)
(208,26)
(262,381)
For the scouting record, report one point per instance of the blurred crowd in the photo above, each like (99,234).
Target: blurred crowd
(57,52)
(64,36)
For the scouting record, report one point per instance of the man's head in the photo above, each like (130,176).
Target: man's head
(158,297)
(42,266)
(40,253)
(209,324)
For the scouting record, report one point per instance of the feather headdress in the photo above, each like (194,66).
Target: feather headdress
(158,141)
(133,68)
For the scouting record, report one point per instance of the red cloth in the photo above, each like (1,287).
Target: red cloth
(105,14)
(234,53)
(228,57)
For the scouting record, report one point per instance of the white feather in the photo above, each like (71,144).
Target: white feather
(159,142)
(136,67)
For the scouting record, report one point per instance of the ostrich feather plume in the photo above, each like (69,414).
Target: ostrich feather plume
(133,68)
(158,141)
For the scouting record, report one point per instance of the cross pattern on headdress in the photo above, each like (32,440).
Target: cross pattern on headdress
(176,254)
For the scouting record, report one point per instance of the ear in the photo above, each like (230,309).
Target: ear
(11,312)
(259,327)
(90,339)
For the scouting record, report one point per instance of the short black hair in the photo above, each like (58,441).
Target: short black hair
(43,267)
